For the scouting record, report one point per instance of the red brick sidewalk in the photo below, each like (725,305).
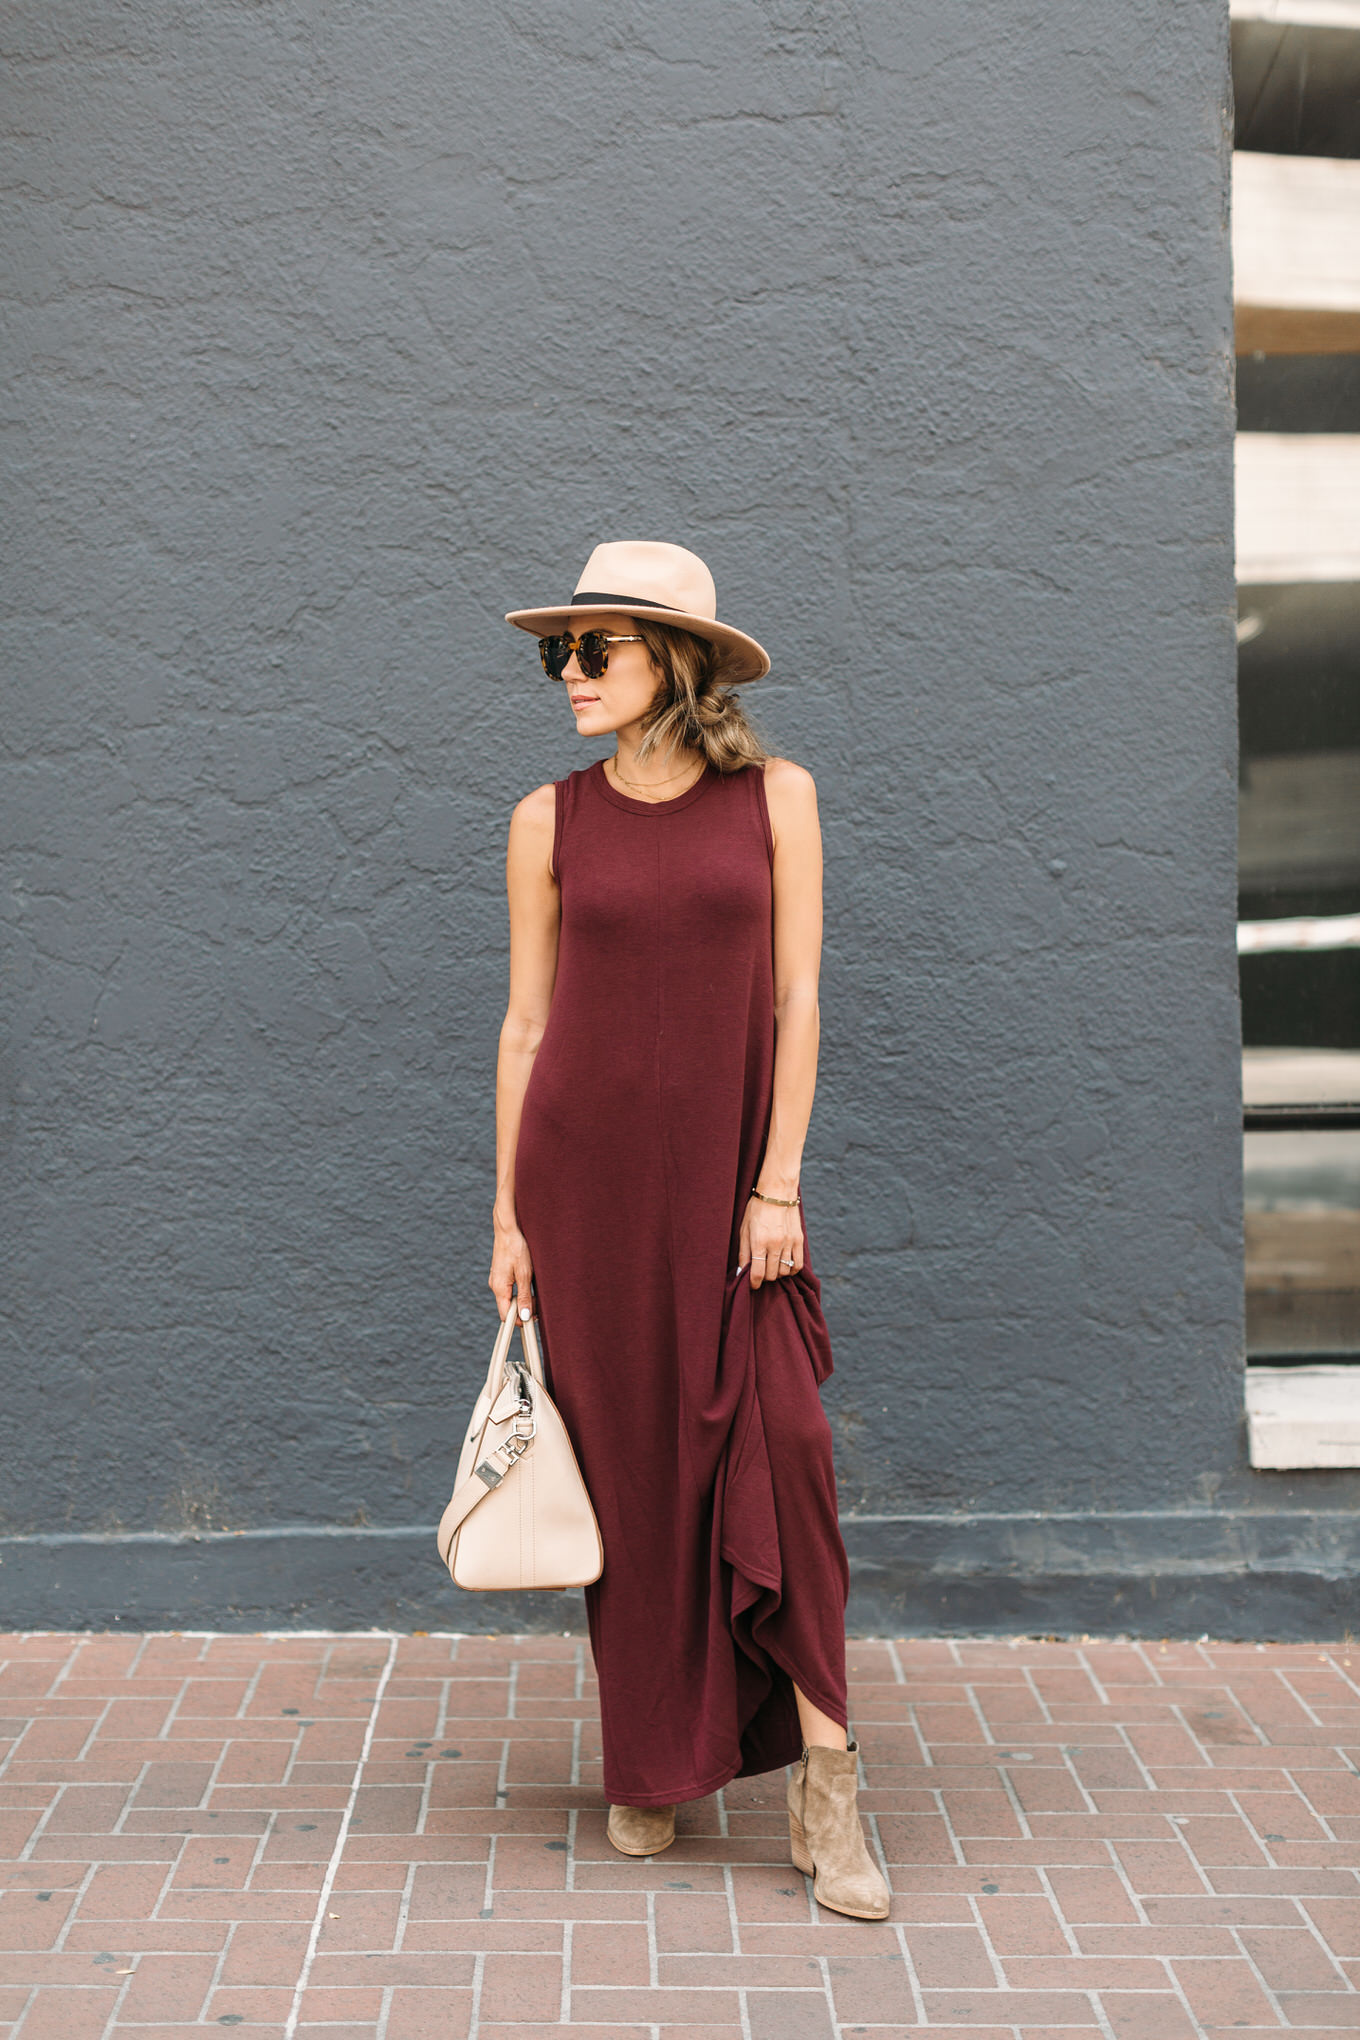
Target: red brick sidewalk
(1141,1841)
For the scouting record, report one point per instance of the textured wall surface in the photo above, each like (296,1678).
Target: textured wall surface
(340,330)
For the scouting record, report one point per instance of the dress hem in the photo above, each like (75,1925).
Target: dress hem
(726,1776)
(715,1784)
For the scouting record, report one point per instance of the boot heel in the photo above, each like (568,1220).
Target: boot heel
(798,1847)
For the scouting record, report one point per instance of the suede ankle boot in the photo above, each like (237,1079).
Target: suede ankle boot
(641,1830)
(825,1837)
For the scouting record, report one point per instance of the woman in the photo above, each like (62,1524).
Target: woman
(653,1090)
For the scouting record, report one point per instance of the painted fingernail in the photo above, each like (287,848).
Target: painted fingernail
(526,1313)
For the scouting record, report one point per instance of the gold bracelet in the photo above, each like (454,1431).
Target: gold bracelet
(787,1202)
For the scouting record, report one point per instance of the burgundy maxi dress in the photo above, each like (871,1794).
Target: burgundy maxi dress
(691,1399)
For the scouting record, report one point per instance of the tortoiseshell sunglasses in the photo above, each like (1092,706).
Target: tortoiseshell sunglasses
(591,649)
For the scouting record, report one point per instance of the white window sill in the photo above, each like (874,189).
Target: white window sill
(1304,1416)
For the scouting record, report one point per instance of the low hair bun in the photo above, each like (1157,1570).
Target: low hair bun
(714,708)
(695,706)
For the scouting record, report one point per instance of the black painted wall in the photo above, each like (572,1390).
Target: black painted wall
(338,331)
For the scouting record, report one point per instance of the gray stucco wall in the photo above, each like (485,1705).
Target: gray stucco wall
(341,330)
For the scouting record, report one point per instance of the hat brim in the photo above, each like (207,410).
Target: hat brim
(750,661)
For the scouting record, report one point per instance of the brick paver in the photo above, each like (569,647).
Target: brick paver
(346,1836)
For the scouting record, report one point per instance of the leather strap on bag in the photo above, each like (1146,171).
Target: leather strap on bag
(492,1468)
(478,1486)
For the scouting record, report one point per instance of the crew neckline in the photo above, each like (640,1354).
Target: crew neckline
(651,807)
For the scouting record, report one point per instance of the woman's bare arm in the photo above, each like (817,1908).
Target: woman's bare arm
(535,915)
(771,1229)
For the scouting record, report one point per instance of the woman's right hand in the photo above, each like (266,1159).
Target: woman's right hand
(511,1269)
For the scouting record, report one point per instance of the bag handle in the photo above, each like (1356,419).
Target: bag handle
(533,1355)
(532,1363)
(491,1470)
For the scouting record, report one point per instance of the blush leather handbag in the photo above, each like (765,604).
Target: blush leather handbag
(520,1515)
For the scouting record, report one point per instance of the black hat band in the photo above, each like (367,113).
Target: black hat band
(589,600)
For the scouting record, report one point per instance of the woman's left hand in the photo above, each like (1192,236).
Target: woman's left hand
(771,1241)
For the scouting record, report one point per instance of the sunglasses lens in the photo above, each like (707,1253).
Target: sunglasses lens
(592,654)
(554,652)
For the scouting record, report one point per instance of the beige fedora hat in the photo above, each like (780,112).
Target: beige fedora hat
(643,577)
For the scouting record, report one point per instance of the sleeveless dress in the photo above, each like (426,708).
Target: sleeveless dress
(690,1398)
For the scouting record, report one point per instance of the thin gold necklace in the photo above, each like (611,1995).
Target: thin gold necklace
(642,785)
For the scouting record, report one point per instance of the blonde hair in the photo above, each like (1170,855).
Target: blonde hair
(695,707)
